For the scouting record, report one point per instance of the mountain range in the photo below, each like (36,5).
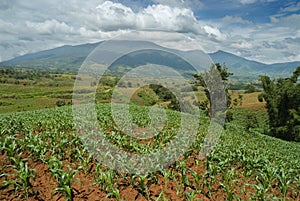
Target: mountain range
(69,59)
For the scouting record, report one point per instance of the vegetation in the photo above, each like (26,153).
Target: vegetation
(250,88)
(283,105)
(43,158)
(209,81)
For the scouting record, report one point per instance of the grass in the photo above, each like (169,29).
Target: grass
(23,98)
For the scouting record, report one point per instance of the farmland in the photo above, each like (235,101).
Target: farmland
(159,100)
(43,158)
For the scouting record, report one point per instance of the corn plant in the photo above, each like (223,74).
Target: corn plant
(22,177)
(54,165)
(85,160)
(284,181)
(114,193)
(142,184)
(190,196)
(10,146)
(229,180)
(166,173)
(65,180)
(161,196)
(197,178)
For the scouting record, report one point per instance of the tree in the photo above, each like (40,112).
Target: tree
(250,88)
(282,98)
(214,83)
(165,94)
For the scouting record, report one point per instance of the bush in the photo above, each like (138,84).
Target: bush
(251,121)
(250,89)
(229,116)
(60,103)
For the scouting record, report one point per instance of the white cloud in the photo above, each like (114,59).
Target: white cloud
(110,16)
(247,1)
(28,27)
(167,18)
(242,45)
(192,4)
(214,32)
(50,27)
(292,21)
(231,19)
(292,7)
(7,27)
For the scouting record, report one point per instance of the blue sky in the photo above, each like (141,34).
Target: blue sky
(261,30)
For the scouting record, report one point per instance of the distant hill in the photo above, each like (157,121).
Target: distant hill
(69,58)
(65,58)
(242,67)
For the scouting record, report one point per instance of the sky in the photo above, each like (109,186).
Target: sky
(267,31)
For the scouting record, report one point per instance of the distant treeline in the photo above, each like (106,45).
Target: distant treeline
(32,77)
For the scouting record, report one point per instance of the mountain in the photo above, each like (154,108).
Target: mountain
(69,58)
(235,62)
(242,67)
(65,58)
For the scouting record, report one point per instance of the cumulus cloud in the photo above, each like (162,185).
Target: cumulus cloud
(214,32)
(28,27)
(111,16)
(50,27)
(167,18)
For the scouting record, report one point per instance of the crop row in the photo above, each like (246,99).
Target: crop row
(245,165)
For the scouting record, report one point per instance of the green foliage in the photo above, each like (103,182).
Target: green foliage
(282,98)
(3,103)
(22,176)
(250,88)
(60,103)
(229,116)
(147,97)
(208,81)
(242,166)
(64,178)
(251,121)
(165,94)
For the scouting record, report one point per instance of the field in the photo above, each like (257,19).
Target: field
(31,90)
(43,158)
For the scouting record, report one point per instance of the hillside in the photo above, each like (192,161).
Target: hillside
(43,157)
(69,59)
(66,58)
(242,67)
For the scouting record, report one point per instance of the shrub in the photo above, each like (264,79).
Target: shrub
(60,103)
